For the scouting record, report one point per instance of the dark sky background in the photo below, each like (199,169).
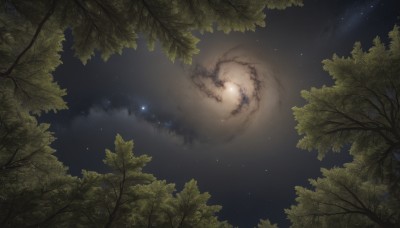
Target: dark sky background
(247,161)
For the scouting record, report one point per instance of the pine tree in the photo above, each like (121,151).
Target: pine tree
(155,200)
(110,26)
(265,223)
(36,190)
(345,197)
(26,70)
(128,197)
(189,209)
(110,200)
(362,109)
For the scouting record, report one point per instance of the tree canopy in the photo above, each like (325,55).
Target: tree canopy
(36,189)
(345,197)
(125,197)
(265,223)
(110,26)
(361,110)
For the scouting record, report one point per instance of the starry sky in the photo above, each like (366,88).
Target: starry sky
(225,120)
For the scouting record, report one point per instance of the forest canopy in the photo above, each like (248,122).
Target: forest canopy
(361,110)
(110,26)
(36,189)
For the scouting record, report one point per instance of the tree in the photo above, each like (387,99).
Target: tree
(35,187)
(160,208)
(36,190)
(265,223)
(155,200)
(110,26)
(283,4)
(362,109)
(189,209)
(109,201)
(26,73)
(345,197)
(127,197)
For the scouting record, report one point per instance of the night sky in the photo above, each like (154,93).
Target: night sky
(225,120)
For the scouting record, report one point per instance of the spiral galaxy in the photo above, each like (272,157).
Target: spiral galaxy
(232,77)
(233,87)
(214,101)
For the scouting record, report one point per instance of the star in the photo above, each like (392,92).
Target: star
(143,108)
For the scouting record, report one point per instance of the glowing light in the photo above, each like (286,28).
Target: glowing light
(231,87)
(143,108)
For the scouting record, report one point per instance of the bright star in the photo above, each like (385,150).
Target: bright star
(143,108)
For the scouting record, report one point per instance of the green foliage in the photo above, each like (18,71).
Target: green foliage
(189,208)
(163,22)
(283,4)
(98,25)
(30,80)
(156,199)
(111,26)
(345,197)
(127,197)
(362,109)
(266,224)
(36,190)
(34,184)
(112,195)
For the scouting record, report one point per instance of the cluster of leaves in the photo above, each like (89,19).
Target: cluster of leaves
(110,26)
(36,189)
(345,197)
(361,110)
(125,197)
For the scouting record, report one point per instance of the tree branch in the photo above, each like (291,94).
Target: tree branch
(8,72)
